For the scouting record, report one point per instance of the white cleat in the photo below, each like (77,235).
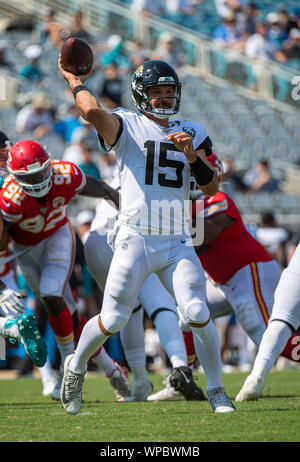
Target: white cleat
(166,393)
(219,400)
(140,389)
(252,389)
(119,381)
(49,385)
(71,388)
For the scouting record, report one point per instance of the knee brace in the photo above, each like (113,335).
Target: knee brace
(196,312)
(50,287)
(113,322)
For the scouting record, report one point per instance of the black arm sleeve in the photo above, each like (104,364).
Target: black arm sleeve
(206,145)
(203,173)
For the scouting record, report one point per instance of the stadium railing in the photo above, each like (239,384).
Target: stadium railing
(220,104)
(275,83)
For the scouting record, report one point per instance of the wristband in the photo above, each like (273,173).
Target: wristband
(203,173)
(78,89)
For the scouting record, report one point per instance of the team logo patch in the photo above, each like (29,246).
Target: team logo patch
(190,131)
(139,71)
(58,202)
(124,246)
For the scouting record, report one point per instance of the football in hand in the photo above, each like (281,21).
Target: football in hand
(76,56)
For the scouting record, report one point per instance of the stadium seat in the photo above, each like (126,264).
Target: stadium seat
(288,203)
(262,201)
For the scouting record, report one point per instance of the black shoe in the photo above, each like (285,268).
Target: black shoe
(182,380)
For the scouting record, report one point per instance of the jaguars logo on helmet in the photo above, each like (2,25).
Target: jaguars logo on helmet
(150,74)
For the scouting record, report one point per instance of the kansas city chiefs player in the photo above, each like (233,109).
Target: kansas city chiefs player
(33,203)
(237,265)
(14,322)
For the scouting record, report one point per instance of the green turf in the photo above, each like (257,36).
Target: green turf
(26,415)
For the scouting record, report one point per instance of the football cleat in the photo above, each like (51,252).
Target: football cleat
(252,389)
(25,330)
(119,381)
(219,400)
(166,393)
(182,380)
(140,389)
(71,388)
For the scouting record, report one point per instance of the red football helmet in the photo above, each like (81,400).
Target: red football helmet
(216,163)
(31,167)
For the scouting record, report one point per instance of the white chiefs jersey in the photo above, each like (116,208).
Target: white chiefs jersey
(154,176)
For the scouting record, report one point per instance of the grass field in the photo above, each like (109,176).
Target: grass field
(27,416)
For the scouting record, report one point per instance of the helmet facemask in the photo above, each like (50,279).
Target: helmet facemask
(36,181)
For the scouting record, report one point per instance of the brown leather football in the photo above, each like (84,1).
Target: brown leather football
(76,56)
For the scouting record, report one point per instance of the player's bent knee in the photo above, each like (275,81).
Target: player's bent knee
(113,323)
(50,287)
(197,313)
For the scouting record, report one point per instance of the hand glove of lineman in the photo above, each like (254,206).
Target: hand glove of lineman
(10,303)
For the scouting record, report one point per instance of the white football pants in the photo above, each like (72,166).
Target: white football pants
(153,297)
(48,265)
(135,258)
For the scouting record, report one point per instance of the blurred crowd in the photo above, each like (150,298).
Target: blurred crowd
(39,116)
(275,37)
(244,26)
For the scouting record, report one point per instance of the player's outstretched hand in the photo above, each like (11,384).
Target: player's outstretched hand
(11,303)
(68,76)
(184,143)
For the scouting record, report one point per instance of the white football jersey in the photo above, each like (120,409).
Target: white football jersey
(154,176)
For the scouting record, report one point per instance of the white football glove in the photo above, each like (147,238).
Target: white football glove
(10,303)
